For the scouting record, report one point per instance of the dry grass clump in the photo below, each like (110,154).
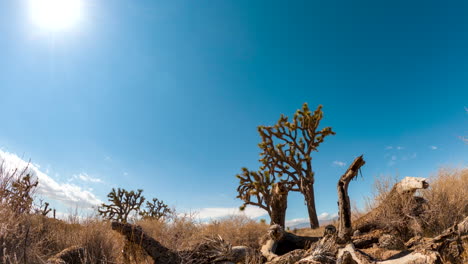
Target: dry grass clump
(27,236)
(448,199)
(32,238)
(399,214)
(433,210)
(184,232)
(238,230)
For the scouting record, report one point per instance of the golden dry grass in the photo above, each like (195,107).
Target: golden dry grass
(446,203)
(183,232)
(32,238)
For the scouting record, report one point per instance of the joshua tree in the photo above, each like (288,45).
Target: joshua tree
(155,209)
(44,208)
(122,204)
(287,148)
(20,194)
(261,189)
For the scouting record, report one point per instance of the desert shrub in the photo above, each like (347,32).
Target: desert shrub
(433,210)
(184,232)
(395,214)
(447,199)
(238,230)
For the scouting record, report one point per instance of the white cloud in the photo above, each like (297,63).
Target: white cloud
(85,177)
(219,212)
(409,157)
(69,194)
(299,222)
(392,147)
(296,222)
(339,163)
(394,157)
(433,147)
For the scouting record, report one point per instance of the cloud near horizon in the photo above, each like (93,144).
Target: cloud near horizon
(322,218)
(69,194)
(220,212)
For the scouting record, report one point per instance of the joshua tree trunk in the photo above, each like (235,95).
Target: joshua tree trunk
(307,189)
(278,204)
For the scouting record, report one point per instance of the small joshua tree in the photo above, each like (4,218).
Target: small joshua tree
(259,188)
(43,208)
(122,204)
(156,209)
(20,194)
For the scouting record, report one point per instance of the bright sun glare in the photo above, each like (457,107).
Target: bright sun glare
(55,15)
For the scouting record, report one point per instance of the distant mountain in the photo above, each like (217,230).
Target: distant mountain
(304,223)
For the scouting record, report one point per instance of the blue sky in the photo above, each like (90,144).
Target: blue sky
(166,95)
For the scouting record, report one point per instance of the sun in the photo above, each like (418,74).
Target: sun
(55,15)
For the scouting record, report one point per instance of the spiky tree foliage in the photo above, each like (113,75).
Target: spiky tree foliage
(287,147)
(121,204)
(255,188)
(19,196)
(260,188)
(156,209)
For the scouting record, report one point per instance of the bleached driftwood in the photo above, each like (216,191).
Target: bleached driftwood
(71,255)
(135,234)
(211,250)
(279,242)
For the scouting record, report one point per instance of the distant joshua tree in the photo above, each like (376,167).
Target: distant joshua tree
(286,151)
(156,209)
(122,204)
(43,208)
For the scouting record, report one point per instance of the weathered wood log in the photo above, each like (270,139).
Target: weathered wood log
(368,239)
(344,207)
(278,242)
(71,255)
(158,252)
(445,248)
(211,250)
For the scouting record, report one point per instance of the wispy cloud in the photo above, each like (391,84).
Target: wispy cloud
(219,212)
(392,147)
(69,194)
(433,147)
(339,163)
(409,157)
(86,178)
